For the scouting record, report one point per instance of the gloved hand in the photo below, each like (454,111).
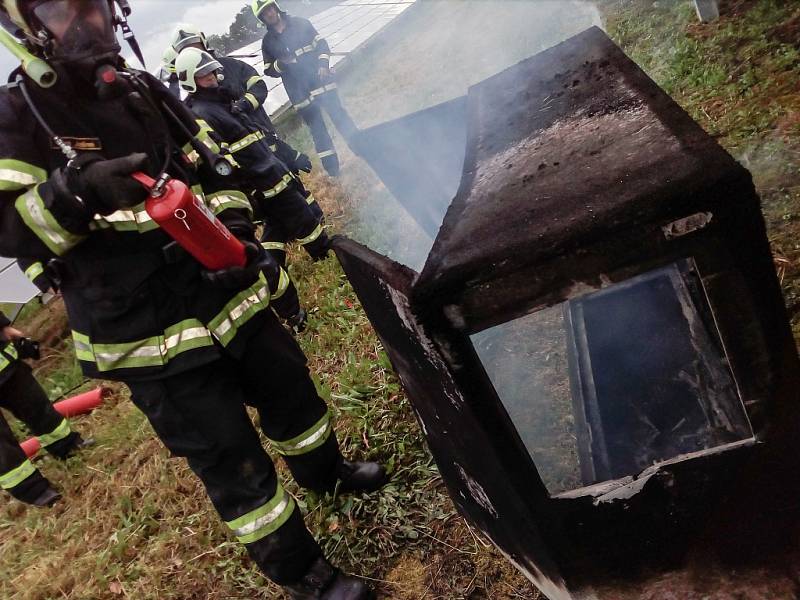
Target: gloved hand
(242,106)
(239,278)
(318,249)
(104,186)
(303,163)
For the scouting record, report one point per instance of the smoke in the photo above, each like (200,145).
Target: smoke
(433,56)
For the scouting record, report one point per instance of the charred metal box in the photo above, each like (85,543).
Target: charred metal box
(597,347)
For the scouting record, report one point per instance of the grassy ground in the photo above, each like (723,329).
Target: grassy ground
(138,525)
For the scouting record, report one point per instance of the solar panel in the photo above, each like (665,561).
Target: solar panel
(14,286)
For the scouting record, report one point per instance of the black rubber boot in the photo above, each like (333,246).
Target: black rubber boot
(298,322)
(47,498)
(325,582)
(361,477)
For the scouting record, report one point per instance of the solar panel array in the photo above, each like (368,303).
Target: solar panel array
(346,27)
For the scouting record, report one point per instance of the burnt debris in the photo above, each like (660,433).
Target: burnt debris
(597,348)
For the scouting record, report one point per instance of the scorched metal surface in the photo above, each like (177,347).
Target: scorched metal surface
(585,193)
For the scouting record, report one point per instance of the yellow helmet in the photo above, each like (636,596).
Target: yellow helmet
(258,6)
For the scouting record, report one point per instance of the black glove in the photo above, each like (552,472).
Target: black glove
(303,163)
(104,186)
(239,278)
(318,249)
(27,348)
(242,106)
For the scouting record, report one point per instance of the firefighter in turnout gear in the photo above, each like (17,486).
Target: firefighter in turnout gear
(275,194)
(295,52)
(194,346)
(250,92)
(22,395)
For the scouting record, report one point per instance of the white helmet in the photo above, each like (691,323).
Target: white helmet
(191,63)
(186,34)
(168,59)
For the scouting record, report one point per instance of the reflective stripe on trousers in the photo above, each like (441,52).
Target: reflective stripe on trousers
(264,520)
(17,475)
(311,439)
(311,237)
(59,433)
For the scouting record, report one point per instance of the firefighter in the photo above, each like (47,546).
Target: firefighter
(22,395)
(194,346)
(295,52)
(281,204)
(250,92)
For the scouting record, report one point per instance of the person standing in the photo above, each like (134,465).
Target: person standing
(294,51)
(22,395)
(195,346)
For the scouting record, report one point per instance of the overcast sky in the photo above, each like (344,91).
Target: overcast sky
(154,20)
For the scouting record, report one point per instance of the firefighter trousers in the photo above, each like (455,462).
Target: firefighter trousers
(283,293)
(312,115)
(201,415)
(22,395)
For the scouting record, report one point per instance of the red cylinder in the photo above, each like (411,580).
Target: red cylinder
(190,223)
(71,407)
(30,447)
(82,403)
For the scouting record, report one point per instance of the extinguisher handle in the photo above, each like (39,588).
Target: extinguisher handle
(144,179)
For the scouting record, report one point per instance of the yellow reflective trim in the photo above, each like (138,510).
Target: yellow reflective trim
(246,141)
(58,434)
(239,310)
(285,181)
(252,99)
(274,246)
(264,520)
(17,475)
(83,346)
(311,439)
(33,271)
(40,220)
(311,236)
(283,285)
(16,174)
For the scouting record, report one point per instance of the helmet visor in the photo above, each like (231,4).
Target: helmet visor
(79,27)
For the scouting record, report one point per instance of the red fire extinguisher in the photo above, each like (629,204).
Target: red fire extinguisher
(190,223)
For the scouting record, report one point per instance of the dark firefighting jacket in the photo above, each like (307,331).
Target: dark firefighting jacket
(8,353)
(38,273)
(243,138)
(299,40)
(243,81)
(137,310)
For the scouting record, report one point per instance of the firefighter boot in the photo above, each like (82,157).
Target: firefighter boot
(47,498)
(360,476)
(324,582)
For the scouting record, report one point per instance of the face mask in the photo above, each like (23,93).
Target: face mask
(82,30)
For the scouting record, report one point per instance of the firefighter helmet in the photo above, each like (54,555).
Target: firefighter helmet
(188,34)
(168,59)
(191,63)
(258,7)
